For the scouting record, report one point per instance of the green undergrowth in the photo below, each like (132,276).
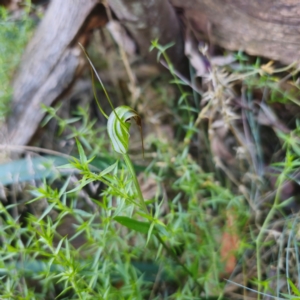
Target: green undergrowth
(214,226)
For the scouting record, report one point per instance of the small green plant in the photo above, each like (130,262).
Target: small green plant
(118,126)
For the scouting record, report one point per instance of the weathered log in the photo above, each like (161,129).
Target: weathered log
(48,66)
(268,28)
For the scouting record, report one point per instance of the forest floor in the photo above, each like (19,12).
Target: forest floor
(218,168)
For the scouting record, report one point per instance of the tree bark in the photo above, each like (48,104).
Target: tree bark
(48,66)
(268,28)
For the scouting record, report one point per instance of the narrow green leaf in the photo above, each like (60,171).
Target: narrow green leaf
(95,92)
(64,187)
(108,169)
(183,97)
(93,70)
(81,152)
(84,181)
(150,231)
(66,166)
(286,202)
(294,288)
(47,210)
(178,81)
(142,227)
(288,297)
(59,245)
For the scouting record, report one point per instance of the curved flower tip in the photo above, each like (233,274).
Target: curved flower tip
(118,126)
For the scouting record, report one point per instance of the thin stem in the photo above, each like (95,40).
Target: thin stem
(95,94)
(103,87)
(136,183)
(264,227)
(175,257)
(171,68)
(142,202)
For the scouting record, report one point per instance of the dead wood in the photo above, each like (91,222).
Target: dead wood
(268,28)
(48,66)
(149,20)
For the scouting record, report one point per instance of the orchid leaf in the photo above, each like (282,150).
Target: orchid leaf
(142,227)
